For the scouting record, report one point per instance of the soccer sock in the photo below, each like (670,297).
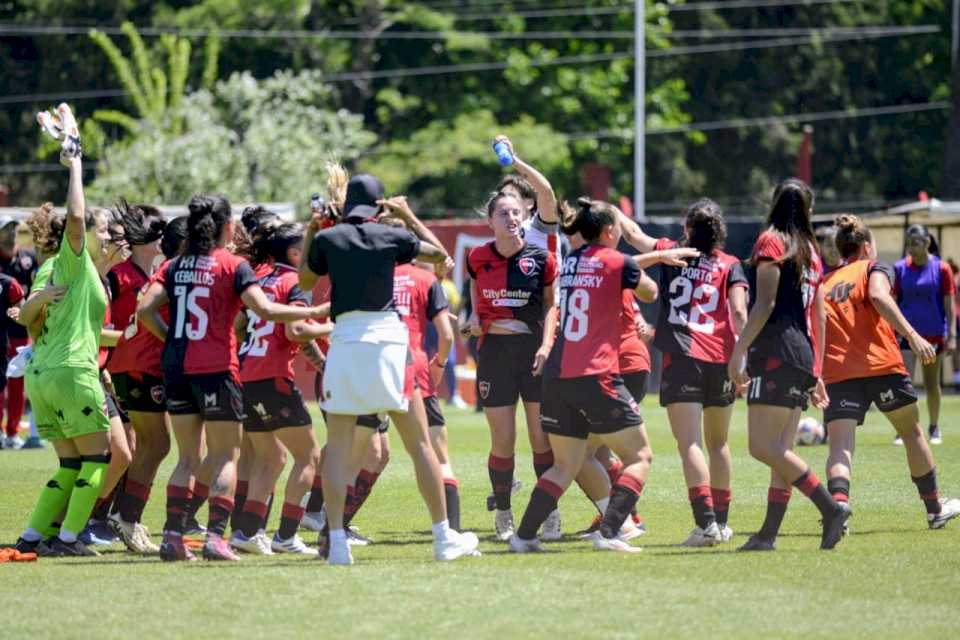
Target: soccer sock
(251,517)
(811,487)
(132,501)
(451,491)
(701,501)
(86,488)
(839,488)
(220,509)
(198,496)
(501,479)
(927,487)
(601,504)
(362,488)
(721,504)
(239,498)
(315,501)
(623,497)
(118,489)
(290,517)
(777,500)
(55,494)
(543,502)
(101,508)
(614,472)
(350,505)
(542,462)
(178,506)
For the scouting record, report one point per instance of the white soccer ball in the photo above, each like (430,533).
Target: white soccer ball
(809,432)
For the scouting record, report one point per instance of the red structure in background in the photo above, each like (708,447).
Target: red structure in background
(804,156)
(596,180)
(4,195)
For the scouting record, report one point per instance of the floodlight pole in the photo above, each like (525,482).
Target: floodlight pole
(955,34)
(639,110)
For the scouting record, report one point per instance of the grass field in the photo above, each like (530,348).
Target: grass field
(891,577)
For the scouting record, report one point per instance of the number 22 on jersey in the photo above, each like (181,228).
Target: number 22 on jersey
(691,306)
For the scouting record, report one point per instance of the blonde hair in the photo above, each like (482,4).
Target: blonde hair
(337,179)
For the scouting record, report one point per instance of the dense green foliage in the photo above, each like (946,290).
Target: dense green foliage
(428,134)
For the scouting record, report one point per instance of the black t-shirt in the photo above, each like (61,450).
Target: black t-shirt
(22,267)
(359,255)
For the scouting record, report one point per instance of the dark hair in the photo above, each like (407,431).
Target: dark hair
(592,216)
(494,199)
(705,226)
(173,237)
(789,219)
(923,232)
(851,235)
(209,214)
(524,188)
(142,223)
(47,227)
(271,241)
(255,216)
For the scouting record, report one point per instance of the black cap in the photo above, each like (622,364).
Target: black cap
(363,192)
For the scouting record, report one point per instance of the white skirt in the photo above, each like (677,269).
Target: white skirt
(366,364)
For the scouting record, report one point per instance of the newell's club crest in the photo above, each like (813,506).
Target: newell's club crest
(484,388)
(527,266)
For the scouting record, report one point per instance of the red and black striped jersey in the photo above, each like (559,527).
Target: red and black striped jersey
(126,281)
(511,289)
(694,318)
(591,309)
(419,298)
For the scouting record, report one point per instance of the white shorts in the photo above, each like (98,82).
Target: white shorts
(366,364)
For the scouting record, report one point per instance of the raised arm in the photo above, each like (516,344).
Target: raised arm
(634,235)
(431,249)
(76,204)
(546,198)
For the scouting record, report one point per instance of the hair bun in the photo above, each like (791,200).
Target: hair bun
(585,201)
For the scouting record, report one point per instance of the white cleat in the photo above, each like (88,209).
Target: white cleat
(142,536)
(257,545)
(314,520)
(354,539)
(339,553)
(949,509)
(133,535)
(612,544)
(550,530)
(14,443)
(455,545)
(726,533)
(525,546)
(294,544)
(503,525)
(935,436)
(704,537)
(629,531)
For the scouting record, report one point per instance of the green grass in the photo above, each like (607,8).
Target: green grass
(891,578)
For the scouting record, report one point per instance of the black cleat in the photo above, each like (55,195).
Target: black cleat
(76,549)
(833,526)
(756,543)
(26,546)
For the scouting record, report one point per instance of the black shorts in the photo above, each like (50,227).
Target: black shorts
(687,379)
(273,404)
(577,407)
(434,414)
(113,409)
(215,396)
(778,384)
(636,384)
(850,399)
(370,420)
(140,392)
(504,371)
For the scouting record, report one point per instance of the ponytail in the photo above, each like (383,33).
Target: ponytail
(208,216)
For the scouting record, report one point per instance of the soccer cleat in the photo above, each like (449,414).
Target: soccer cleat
(216,548)
(14,443)
(704,537)
(594,525)
(833,526)
(455,545)
(949,509)
(517,545)
(514,489)
(27,546)
(630,530)
(293,544)
(142,535)
(338,553)
(726,533)
(257,544)
(503,525)
(314,520)
(134,539)
(33,442)
(354,539)
(193,528)
(98,533)
(935,436)
(76,549)
(601,543)
(550,530)
(756,543)
(173,549)
(898,441)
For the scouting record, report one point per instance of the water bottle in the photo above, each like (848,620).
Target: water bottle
(503,153)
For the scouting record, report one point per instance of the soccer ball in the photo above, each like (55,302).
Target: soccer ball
(809,432)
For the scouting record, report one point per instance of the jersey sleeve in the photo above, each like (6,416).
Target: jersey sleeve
(471,270)
(43,274)
(317,257)
(244,278)
(436,300)
(550,269)
(630,275)
(885,269)
(947,285)
(768,247)
(408,246)
(664,243)
(14,292)
(737,277)
(546,228)
(295,295)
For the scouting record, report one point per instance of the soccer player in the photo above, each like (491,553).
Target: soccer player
(784,338)
(62,379)
(206,286)
(863,366)
(366,366)
(703,306)
(927,296)
(512,291)
(277,417)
